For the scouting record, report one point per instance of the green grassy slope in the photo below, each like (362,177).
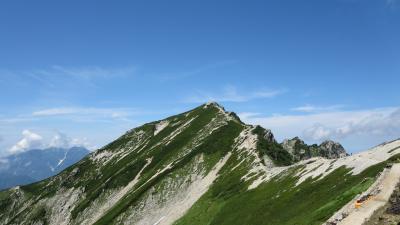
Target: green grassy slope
(280,201)
(97,179)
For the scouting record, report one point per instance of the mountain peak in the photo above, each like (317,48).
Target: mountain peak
(214,104)
(221,109)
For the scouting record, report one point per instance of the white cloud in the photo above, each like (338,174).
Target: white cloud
(83,142)
(357,128)
(61,140)
(30,140)
(248,115)
(317,132)
(312,108)
(379,124)
(231,94)
(92,113)
(92,71)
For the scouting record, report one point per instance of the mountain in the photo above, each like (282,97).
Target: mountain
(200,167)
(37,164)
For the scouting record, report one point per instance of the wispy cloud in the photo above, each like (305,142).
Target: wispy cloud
(17,119)
(93,71)
(56,76)
(89,112)
(231,94)
(87,72)
(55,111)
(60,76)
(312,108)
(78,114)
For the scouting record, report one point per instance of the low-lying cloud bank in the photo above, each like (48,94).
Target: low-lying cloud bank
(367,126)
(31,140)
(374,123)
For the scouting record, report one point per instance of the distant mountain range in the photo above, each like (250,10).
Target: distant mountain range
(37,164)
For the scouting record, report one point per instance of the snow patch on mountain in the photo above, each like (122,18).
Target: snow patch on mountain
(63,159)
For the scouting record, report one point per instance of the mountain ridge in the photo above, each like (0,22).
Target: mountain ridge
(196,167)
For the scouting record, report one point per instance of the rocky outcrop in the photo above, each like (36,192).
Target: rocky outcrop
(290,144)
(301,151)
(332,150)
(269,136)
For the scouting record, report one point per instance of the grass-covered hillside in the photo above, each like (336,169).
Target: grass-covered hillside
(201,167)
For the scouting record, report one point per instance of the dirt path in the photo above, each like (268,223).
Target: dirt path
(388,184)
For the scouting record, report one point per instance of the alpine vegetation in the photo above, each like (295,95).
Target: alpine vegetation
(206,166)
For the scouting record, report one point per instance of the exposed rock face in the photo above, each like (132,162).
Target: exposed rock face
(269,136)
(332,150)
(266,134)
(290,144)
(301,151)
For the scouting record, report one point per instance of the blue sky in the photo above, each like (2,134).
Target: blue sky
(84,72)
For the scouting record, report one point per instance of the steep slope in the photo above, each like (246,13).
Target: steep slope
(37,164)
(200,167)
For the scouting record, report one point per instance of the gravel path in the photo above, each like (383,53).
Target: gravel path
(388,184)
